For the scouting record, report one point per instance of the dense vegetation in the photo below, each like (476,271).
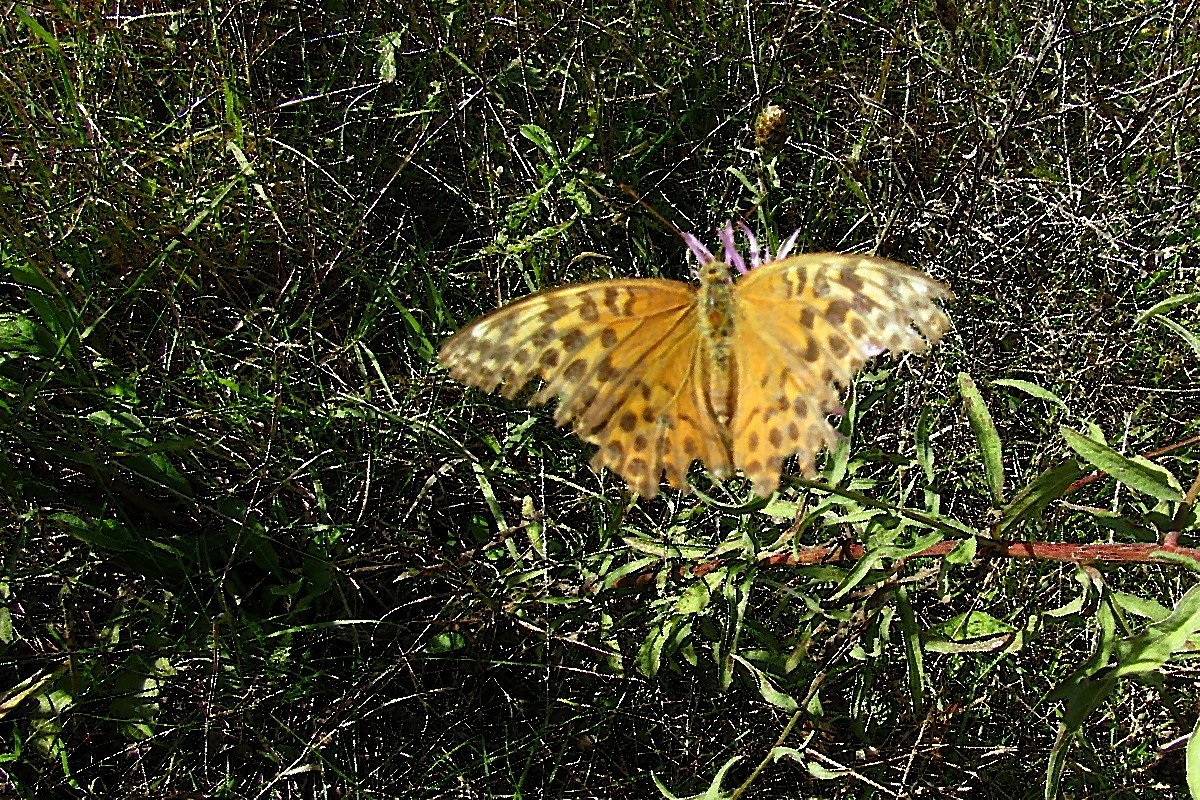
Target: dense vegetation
(256,544)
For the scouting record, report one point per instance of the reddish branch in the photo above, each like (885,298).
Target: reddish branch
(999,548)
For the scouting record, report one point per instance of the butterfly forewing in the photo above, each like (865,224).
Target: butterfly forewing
(850,307)
(559,335)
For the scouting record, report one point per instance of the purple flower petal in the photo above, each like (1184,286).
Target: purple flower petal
(697,247)
(870,349)
(755,253)
(732,256)
(788,245)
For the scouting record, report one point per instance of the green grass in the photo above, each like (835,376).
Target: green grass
(257,544)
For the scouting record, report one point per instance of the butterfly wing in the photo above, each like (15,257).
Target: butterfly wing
(619,356)
(805,324)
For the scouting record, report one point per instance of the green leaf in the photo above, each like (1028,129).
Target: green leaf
(389,43)
(923,444)
(1141,606)
(539,137)
(912,650)
(713,792)
(773,695)
(972,625)
(973,632)
(1031,501)
(872,557)
(741,176)
(100,533)
(445,643)
(36,29)
(986,435)
(1092,683)
(823,773)
(1082,699)
(637,565)
(1136,473)
(963,552)
(1031,389)
(17,333)
(696,597)
(1166,305)
(650,653)
(1186,562)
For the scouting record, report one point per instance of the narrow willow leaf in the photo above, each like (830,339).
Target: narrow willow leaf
(1136,473)
(1033,390)
(1031,501)
(986,435)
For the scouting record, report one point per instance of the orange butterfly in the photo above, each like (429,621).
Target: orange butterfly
(659,373)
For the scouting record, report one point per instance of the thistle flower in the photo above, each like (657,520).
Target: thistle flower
(731,255)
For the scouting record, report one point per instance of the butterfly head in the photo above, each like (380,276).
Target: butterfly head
(714,272)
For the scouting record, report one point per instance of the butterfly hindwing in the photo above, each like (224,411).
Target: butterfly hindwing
(781,410)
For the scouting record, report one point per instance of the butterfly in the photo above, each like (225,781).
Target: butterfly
(742,374)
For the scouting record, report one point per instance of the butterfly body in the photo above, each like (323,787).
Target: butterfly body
(659,374)
(717,319)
